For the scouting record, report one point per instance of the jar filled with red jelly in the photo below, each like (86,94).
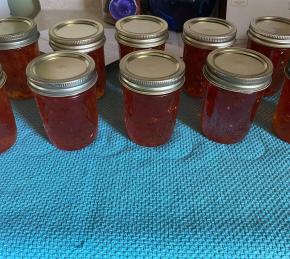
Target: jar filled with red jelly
(7,121)
(64,85)
(141,32)
(281,123)
(18,46)
(235,81)
(152,82)
(201,36)
(83,36)
(270,36)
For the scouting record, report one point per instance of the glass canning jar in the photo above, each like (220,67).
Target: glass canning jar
(235,81)
(151,82)
(270,36)
(201,36)
(64,84)
(83,36)
(140,32)
(18,46)
(281,123)
(7,121)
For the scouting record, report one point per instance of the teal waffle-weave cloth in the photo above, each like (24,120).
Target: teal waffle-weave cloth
(191,198)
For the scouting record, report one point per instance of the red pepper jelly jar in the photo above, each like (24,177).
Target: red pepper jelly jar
(140,32)
(64,84)
(151,82)
(7,121)
(201,36)
(18,46)
(281,123)
(83,36)
(271,37)
(235,80)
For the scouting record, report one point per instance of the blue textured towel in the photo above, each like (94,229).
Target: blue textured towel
(189,198)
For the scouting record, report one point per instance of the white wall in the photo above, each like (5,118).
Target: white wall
(241,12)
(69,4)
(4,9)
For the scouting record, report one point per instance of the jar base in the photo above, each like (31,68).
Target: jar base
(8,145)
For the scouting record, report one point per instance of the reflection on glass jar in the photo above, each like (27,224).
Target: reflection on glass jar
(201,36)
(151,82)
(18,46)
(83,36)
(7,121)
(141,32)
(64,84)
(270,36)
(281,123)
(235,81)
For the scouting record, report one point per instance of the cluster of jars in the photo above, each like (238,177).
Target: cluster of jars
(66,83)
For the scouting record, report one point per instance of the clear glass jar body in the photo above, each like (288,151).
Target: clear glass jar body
(150,119)
(70,122)
(227,116)
(281,122)
(124,50)
(194,59)
(8,129)
(279,58)
(98,56)
(14,62)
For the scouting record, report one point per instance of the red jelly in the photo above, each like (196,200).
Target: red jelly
(141,32)
(7,121)
(235,81)
(83,36)
(64,84)
(124,50)
(151,95)
(18,46)
(270,36)
(201,36)
(281,123)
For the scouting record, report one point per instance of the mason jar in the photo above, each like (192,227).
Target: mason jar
(270,36)
(8,129)
(201,36)
(152,82)
(235,81)
(18,46)
(281,122)
(140,32)
(64,85)
(83,36)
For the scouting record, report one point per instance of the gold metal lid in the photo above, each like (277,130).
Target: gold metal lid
(17,32)
(142,31)
(270,31)
(2,77)
(82,35)
(238,70)
(152,72)
(62,73)
(209,33)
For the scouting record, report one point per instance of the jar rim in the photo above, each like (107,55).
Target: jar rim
(222,66)
(62,35)
(23,32)
(139,73)
(276,37)
(224,32)
(128,31)
(61,74)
